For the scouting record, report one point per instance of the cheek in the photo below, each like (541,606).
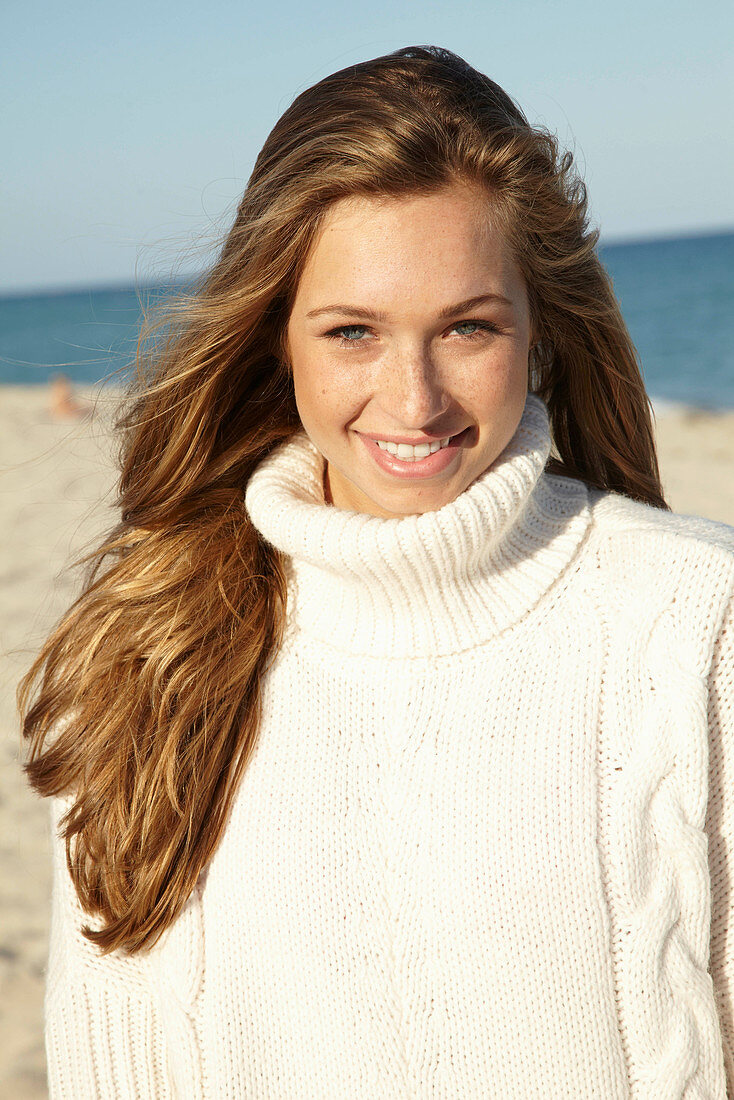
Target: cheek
(510,379)
(310,384)
(500,383)
(326,396)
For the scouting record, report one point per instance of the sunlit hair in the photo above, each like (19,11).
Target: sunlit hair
(147,693)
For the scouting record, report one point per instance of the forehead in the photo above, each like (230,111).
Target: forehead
(386,243)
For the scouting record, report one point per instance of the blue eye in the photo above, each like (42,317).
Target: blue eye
(481,326)
(336,333)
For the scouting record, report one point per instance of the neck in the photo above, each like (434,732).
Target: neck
(421,585)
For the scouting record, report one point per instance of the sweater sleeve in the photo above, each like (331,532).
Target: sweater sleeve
(720,829)
(103,1030)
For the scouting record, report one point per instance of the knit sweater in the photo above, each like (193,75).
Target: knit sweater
(484,845)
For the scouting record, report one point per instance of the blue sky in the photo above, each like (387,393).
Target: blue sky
(130,129)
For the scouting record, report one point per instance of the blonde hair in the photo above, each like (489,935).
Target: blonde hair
(147,692)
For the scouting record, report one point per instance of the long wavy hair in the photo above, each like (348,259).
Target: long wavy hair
(147,693)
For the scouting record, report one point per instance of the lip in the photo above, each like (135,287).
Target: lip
(405,439)
(422,467)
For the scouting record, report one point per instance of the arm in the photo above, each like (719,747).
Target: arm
(102,1027)
(720,829)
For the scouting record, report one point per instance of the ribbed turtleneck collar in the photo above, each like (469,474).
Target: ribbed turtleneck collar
(429,584)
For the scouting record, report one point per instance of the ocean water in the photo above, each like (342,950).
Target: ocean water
(677,297)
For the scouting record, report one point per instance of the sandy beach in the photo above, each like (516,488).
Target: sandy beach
(56,492)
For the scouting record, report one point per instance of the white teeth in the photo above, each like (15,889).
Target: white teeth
(410,453)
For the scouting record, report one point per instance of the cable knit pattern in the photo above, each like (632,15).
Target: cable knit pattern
(652,805)
(484,845)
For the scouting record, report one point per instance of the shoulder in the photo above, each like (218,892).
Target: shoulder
(617,522)
(642,561)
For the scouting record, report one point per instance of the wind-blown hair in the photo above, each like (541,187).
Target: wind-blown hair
(147,692)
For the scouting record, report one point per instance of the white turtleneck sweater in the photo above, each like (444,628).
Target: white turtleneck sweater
(484,846)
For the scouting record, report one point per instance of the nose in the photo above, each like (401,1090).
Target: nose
(412,391)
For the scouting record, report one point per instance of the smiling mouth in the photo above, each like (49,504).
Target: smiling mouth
(417,460)
(409,452)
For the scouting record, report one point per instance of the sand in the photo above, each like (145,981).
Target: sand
(57,486)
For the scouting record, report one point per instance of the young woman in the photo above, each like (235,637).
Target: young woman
(392,738)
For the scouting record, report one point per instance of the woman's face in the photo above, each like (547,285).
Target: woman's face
(411,327)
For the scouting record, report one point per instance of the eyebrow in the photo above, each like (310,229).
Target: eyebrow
(447,311)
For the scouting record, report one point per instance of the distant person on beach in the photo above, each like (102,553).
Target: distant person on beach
(390,743)
(62,403)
